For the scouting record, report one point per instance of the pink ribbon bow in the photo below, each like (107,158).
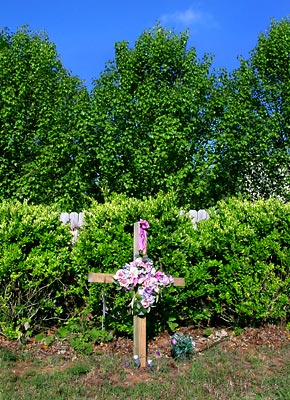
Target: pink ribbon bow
(142,245)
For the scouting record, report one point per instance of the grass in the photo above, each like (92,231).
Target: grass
(216,373)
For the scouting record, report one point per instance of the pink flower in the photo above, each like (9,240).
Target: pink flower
(121,277)
(148,299)
(150,282)
(163,279)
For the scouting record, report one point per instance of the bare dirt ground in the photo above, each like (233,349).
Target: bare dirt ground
(249,341)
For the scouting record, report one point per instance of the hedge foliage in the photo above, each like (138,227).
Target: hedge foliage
(34,267)
(235,264)
(241,263)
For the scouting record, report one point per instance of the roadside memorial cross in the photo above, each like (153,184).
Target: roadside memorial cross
(140,247)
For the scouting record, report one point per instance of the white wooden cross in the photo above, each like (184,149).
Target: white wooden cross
(140,347)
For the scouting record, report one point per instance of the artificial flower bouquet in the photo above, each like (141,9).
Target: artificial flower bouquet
(145,281)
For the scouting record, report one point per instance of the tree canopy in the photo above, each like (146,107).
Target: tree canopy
(44,121)
(157,120)
(149,112)
(251,137)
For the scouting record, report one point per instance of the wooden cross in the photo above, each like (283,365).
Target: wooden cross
(140,348)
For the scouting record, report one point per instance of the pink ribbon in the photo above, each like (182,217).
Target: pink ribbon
(142,242)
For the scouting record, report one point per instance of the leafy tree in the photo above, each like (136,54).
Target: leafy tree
(44,146)
(250,142)
(149,106)
(271,67)
(157,120)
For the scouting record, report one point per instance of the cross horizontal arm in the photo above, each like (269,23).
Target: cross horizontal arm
(178,282)
(100,278)
(108,278)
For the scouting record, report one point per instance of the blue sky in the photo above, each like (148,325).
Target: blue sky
(85,31)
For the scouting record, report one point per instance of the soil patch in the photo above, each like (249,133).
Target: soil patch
(159,351)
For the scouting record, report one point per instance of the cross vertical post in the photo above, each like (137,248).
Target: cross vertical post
(140,348)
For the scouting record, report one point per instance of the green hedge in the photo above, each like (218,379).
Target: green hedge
(35,267)
(235,264)
(241,262)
